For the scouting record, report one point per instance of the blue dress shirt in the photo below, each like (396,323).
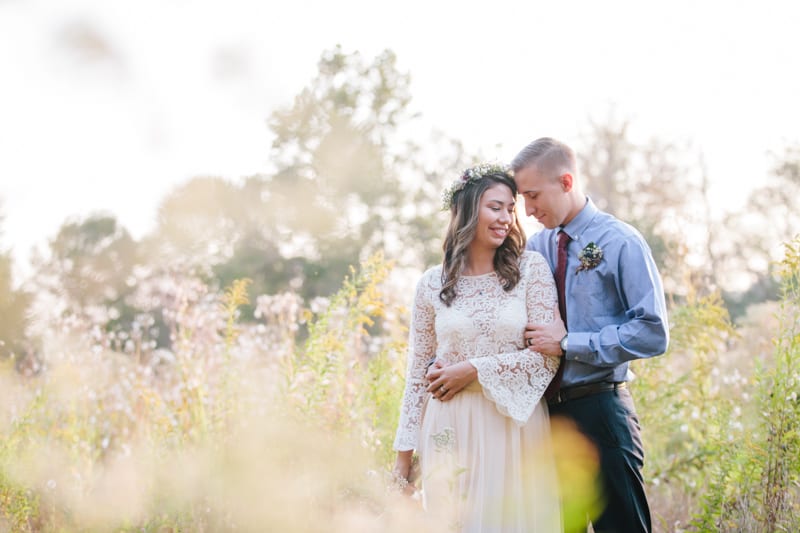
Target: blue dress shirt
(615,311)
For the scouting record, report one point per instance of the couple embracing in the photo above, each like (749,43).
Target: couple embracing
(507,334)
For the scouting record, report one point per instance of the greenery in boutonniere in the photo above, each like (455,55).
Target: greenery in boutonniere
(590,257)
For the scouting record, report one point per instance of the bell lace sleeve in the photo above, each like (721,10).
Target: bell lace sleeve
(515,381)
(421,350)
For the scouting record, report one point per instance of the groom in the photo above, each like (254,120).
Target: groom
(612,303)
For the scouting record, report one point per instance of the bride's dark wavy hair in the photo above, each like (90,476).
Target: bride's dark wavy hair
(464,210)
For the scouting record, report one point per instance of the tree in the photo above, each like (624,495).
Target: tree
(198,223)
(346,183)
(770,217)
(14,305)
(89,269)
(335,180)
(335,195)
(651,186)
(13,308)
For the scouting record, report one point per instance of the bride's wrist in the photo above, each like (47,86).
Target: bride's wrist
(469,370)
(398,480)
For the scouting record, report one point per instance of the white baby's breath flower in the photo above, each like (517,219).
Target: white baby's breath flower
(472,175)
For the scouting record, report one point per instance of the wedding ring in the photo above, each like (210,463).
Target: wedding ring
(529,341)
(444,391)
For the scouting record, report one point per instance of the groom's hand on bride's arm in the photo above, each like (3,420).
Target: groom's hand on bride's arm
(546,338)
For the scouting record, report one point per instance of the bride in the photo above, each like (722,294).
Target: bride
(480,425)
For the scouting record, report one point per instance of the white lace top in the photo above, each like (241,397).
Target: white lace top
(485,325)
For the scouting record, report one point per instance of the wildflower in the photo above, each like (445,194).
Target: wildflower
(472,175)
(590,257)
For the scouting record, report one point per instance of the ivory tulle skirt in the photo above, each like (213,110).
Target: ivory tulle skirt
(481,472)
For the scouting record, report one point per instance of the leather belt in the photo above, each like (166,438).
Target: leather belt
(573,393)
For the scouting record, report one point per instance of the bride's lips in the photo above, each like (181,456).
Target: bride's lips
(500,232)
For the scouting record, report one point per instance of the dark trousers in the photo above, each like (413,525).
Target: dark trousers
(609,420)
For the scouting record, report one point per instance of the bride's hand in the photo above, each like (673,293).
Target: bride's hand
(401,471)
(431,367)
(447,381)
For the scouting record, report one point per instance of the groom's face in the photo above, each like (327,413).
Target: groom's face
(545,195)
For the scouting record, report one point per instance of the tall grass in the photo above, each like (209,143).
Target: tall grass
(210,437)
(287,424)
(755,483)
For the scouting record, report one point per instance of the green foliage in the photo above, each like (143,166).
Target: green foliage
(92,259)
(721,433)
(184,440)
(766,287)
(647,184)
(335,380)
(771,215)
(197,220)
(335,193)
(234,297)
(14,305)
(258,258)
(778,387)
(19,505)
(201,442)
(756,484)
(684,407)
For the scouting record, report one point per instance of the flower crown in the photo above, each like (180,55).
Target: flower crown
(473,175)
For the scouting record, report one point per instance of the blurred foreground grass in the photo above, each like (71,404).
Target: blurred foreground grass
(250,427)
(205,438)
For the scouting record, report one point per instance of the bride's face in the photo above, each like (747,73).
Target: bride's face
(495,216)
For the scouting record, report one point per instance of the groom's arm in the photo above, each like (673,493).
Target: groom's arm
(546,338)
(644,332)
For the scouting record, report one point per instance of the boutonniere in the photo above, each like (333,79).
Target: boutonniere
(590,257)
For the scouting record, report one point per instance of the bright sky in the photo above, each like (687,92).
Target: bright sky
(168,89)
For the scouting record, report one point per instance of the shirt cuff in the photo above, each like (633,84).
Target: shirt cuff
(579,347)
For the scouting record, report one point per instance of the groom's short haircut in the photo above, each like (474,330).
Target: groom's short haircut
(548,155)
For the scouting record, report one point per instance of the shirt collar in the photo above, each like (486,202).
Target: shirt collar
(578,225)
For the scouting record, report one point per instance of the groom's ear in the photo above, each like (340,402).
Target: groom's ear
(566,182)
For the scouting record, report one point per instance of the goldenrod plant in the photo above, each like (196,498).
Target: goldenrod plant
(286,423)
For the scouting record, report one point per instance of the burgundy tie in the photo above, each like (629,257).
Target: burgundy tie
(561,273)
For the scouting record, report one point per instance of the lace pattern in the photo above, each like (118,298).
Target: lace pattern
(485,326)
